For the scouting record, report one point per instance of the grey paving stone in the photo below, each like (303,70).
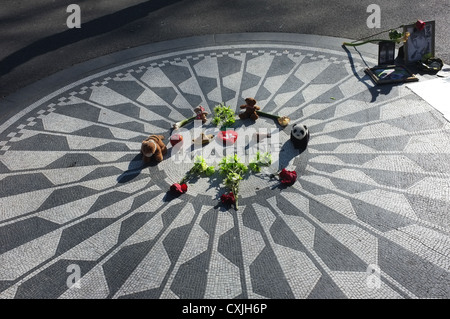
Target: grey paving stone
(297,99)
(292,84)
(327,113)
(74,159)
(175,241)
(331,75)
(268,281)
(432,210)
(66,195)
(129,89)
(230,247)
(401,180)
(279,66)
(336,255)
(3,168)
(380,218)
(132,126)
(176,74)
(168,94)
(82,111)
(326,289)
(13,185)
(102,172)
(79,232)
(387,144)
(133,223)
(357,159)
(46,142)
(107,200)
(95,131)
(351,188)
(52,282)
(417,274)
(416,122)
(190,280)
(363,116)
(228,66)
(283,235)
(20,232)
(120,266)
(249,80)
(344,134)
(262,94)
(326,215)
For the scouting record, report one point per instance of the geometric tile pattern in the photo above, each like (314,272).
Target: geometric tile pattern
(373,190)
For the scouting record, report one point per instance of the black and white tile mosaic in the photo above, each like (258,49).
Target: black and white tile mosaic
(373,186)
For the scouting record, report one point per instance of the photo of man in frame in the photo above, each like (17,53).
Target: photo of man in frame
(419,43)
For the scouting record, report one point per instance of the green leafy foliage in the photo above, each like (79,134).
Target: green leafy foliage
(232,164)
(234,171)
(231,168)
(210,171)
(395,35)
(260,161)
(200,167)
(427,56)
(179,124)
(224,116)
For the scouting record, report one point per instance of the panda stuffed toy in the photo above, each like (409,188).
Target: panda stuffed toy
(300,136)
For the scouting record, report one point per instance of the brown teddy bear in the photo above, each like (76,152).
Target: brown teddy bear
(153,148)
(250,109)
(201,114)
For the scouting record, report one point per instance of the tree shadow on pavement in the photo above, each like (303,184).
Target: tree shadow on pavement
(134,169)
(375,90)
(89,29)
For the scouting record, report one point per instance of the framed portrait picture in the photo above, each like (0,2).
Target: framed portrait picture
(386,53)
(391,74)
(419,42)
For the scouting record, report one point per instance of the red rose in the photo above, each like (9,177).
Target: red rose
(228,198)
(178,189)
(288,177)
(420,25)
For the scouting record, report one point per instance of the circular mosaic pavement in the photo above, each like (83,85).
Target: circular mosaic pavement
(367,218)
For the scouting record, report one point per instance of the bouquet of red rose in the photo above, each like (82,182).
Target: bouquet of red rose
(178,189)
(286,177)
(233,171)
(200,167)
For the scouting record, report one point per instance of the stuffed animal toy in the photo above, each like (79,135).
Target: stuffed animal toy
(250,109)
(153,148)
(201,114)
(300,136)
(203,139)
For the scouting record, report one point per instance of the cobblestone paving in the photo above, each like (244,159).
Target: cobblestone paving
(371,201)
